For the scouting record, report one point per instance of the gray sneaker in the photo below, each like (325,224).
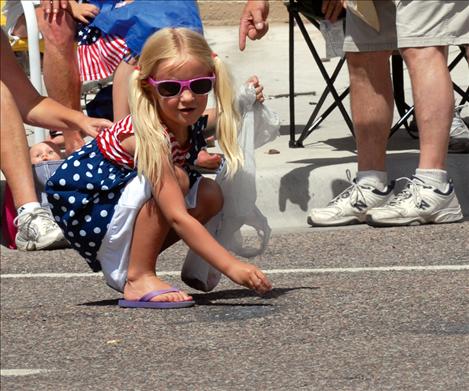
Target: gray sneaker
(418,203)
(350,206)
(458,134)
(37,230)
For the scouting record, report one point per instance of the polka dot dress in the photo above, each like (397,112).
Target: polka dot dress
(83,193)
(85,189)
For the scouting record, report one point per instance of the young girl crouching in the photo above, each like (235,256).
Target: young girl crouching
(131,192)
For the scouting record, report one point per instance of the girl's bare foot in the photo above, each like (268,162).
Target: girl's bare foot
(137,288)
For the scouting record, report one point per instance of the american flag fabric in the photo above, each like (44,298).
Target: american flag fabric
(98,54)
(109,143)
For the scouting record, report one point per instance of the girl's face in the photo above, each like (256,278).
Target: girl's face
(182,110)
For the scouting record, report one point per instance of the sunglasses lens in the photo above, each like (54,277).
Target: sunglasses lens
(169,88)
(201,86)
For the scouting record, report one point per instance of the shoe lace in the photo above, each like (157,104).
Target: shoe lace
(39,214)
(354,194)
(411,190)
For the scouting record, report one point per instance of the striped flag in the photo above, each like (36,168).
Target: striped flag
(98,54)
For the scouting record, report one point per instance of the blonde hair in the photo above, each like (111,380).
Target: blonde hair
(152,144)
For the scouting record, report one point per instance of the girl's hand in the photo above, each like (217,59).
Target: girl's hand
(249,276)
(254,81)
(92,126)
(83,12)
(208,160)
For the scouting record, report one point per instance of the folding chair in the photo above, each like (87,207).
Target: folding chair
(311,10)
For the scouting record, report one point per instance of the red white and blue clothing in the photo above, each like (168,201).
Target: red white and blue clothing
(84,191)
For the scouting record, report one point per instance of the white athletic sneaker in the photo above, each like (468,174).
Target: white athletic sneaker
(418,203)
(350,206)
(37,230)
(458,134)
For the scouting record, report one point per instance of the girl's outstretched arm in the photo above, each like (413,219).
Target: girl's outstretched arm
(170,199)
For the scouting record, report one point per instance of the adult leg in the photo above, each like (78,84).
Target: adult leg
(371,100)
(434,111)
(60,67)
(15,163)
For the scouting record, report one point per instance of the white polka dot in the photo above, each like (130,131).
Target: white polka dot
(89,174)
(71,199)
(104,187)
(111,169)
(70,233)
(84,201)
(81,152)
(100,164)
(57,218)
(87,218)
(49,183)
(56,196)
(89,165)
(188,155)
(112,176)
(97,230)
(95,201)
(72,213)
(64,209)
(82,233)
(90,186)
(76,163)
(74,222)
(92,155)
(76,177)
(77,245)
(100,171)
(111,196)
(88,253)
(64,166)
(70,157)
(62,182)
(92,244)
(103,213)
(88,146)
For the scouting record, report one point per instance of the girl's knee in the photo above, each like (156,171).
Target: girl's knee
(210,197)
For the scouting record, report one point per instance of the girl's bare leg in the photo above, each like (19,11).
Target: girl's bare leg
(150,232)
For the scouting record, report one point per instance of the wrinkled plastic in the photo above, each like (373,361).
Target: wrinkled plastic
(259,125)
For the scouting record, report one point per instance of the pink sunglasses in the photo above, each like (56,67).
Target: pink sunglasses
(171,88)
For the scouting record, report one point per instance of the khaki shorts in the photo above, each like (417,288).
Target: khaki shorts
(410,23)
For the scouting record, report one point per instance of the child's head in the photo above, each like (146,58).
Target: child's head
(184,58)
(44,151)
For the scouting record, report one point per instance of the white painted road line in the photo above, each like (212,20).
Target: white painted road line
(271,271)
(21,372)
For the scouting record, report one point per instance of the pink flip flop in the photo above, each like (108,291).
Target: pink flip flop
(145,301)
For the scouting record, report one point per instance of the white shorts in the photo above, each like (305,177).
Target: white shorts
(115,247)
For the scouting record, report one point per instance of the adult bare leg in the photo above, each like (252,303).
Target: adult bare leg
(371,99)
(60,67)
(434,102)
(15,162)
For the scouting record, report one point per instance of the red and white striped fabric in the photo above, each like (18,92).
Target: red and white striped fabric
(100,59)
(109,143)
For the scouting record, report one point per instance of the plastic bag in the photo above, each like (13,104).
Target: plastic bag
(259,125)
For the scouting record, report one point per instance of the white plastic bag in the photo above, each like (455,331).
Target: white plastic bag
(259,125)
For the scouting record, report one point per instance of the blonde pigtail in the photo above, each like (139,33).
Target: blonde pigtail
(152,147)
(228,117)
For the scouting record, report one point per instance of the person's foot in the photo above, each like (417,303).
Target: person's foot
(37,230)
(418,203)
(459,134)
(350,206)
(138,288)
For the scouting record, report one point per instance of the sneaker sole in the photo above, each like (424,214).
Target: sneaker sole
(59,242)
(335,223)
(444,216)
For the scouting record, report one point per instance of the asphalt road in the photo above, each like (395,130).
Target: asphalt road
(351,309)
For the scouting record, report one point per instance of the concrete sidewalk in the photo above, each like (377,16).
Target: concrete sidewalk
(295,180)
